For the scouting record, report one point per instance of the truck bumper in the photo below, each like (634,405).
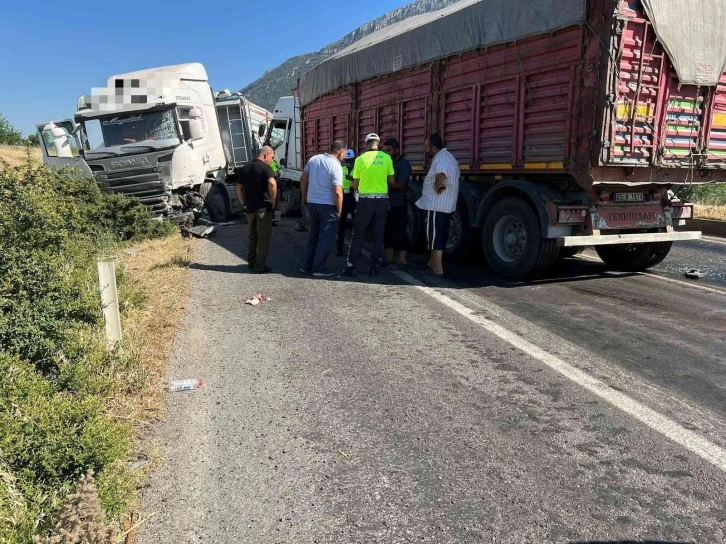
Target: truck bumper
(640,238)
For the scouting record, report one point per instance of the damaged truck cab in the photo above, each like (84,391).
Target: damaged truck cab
(155,135)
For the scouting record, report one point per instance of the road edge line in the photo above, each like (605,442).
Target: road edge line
(693,442)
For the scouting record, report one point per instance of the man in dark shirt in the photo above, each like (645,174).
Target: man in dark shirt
(257,190)
(396,238)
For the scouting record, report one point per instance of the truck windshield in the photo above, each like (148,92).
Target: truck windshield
(277,133)
(132,128)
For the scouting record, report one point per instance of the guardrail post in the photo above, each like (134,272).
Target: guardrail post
(109,302)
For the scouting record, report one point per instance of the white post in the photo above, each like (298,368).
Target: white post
(109,302)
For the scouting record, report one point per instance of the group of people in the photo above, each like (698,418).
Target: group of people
(372,187)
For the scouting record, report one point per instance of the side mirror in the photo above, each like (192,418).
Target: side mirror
(58,132)
(283,161)
(262,130)
(195,124)
(60,141)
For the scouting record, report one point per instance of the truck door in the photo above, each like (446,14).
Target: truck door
(60,145)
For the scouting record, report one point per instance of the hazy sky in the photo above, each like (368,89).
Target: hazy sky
(50,53)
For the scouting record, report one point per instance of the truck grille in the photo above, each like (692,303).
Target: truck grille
(142,183)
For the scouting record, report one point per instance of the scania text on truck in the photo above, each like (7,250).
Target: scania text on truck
(156,135)
(573,121)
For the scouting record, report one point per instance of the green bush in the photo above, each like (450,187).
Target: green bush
(56,376)
(708,195)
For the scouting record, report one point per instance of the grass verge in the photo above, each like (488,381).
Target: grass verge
(68,407)
(16,155)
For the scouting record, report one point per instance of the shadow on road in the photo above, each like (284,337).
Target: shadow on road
(287,249)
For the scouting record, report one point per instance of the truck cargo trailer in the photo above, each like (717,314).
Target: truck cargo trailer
(574,122)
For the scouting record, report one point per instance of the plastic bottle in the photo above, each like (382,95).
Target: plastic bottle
(185,385)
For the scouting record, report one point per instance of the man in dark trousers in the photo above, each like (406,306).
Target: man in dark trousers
(348,198)
(321,185)
(372,173)
(257,190)
(396,237)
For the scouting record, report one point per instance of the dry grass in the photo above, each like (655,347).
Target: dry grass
(16,155)
(159,270)
(710,212)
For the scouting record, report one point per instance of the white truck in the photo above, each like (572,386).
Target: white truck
(283,135)
(161,135)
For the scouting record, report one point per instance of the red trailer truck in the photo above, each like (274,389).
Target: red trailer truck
(573,121)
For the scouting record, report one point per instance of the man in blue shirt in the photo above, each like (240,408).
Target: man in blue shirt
(322,193)
(396,237)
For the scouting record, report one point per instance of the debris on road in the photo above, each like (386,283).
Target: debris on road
(209,223)
(200,231)
(185,385)
(255,300)
(300,226)
(694,274)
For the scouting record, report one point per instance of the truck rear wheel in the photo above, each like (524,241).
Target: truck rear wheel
(633,257)
(511,240)
(413,226)
(460,233)
(215,205)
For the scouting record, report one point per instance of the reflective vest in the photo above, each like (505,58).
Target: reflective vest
(274,166)
(346,179)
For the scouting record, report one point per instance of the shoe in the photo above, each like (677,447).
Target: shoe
(306,271)
(324,273)
(350,272)
(263,271)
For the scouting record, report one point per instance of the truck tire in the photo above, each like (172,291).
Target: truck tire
(460,232)
(215,203)
(511,240)
(633,257)
(413,227)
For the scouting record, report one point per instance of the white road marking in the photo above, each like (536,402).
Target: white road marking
(664,278)
(659,423)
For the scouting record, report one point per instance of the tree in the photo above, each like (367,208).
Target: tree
(9,135)
(32,140)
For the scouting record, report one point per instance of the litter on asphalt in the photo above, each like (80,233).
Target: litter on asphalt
(185,385)
(256,299)
(694,274)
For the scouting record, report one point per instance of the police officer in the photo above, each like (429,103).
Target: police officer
(372,173)
(348,198)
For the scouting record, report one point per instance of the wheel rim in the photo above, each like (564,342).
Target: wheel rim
(455,228)
(510,238)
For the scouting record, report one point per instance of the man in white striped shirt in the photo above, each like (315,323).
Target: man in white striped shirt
(438,200)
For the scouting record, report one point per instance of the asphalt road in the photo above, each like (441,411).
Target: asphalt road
(585,407)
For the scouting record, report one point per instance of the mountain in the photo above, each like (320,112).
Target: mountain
(280,81)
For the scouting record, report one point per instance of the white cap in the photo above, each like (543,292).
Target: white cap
(372,136)
(350,154)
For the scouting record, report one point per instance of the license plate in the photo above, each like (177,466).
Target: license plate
(629,197)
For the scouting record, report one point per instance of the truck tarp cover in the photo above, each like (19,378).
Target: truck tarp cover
(463,26)
(693,34)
